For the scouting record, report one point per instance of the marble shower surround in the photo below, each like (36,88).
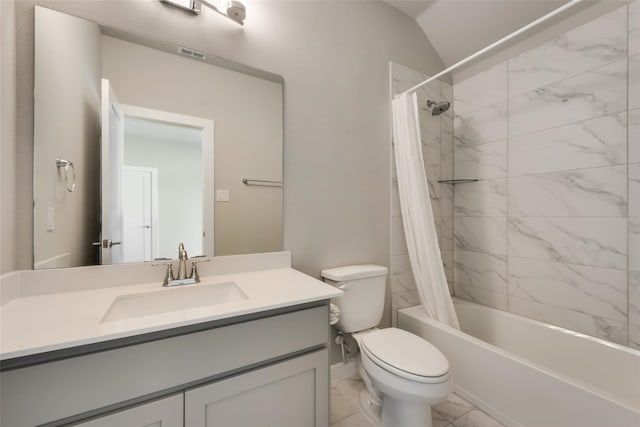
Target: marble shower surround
(552,230)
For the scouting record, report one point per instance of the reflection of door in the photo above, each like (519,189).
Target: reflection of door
(111,162)
(139,206)
(180,147)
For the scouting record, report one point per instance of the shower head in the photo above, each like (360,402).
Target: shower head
(438,108)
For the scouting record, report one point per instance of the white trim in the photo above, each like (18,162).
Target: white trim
(207,127)
(58,261)
(494,45)
(341,371)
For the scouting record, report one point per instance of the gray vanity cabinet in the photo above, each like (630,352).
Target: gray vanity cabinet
(265,369)
(166,412)
(287,394)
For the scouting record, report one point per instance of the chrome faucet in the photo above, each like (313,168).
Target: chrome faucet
(182,278)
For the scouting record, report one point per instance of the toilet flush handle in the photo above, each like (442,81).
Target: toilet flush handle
(345,286)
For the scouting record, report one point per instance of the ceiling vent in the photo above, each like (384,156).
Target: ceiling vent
(192,53)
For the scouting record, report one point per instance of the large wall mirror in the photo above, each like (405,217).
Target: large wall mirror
(140,145)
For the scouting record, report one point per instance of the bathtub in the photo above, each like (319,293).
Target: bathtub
(530,374)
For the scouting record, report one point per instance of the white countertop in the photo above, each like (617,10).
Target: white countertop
(41,323)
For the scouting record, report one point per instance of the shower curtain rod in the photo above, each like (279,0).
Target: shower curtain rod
(494,45)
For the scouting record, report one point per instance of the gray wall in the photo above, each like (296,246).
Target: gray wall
(67,82)
(8,146)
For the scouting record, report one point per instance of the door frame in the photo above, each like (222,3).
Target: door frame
(207,128)
(110,183)
(155,225)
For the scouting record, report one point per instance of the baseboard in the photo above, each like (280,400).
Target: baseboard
(340,371)
(59,261)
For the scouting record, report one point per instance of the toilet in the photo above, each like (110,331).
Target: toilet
(404,374)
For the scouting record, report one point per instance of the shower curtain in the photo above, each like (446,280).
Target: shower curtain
(417,216)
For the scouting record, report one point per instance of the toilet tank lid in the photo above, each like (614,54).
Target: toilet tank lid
(352,272)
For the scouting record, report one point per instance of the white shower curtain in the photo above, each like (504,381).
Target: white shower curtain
(417,216)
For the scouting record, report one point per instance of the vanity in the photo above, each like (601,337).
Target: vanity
(245,347)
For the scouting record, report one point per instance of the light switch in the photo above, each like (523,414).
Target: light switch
(50,219)
(222,195)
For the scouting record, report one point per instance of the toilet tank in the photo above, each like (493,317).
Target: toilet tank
(362,304)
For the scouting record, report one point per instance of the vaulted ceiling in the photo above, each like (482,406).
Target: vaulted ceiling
(458,28)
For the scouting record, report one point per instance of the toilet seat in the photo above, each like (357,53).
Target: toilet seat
(405,355)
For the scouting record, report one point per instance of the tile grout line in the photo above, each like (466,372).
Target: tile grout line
(507,189)
(628,190)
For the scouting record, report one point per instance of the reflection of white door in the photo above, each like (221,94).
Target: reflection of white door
(111,162)
(139,206)
(187,208)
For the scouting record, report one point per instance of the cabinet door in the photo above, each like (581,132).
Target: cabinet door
(293,393)
(166,412)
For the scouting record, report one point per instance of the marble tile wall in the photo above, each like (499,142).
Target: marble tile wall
(480,209)
(437,150)
(552,229)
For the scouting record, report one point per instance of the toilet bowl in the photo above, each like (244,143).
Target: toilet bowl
(407,374)
(403,373)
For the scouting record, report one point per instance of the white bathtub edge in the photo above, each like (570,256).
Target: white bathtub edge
(532,365)
(485,407)
(412,315)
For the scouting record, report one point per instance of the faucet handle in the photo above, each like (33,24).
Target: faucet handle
(169,275)
(194,272)
(194,267)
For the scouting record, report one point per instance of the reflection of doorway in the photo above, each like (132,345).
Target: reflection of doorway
(140,213)
(180,149)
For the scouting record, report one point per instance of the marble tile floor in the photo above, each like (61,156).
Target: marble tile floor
(453,412)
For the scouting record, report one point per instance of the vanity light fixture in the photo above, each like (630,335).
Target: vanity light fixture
(233,10)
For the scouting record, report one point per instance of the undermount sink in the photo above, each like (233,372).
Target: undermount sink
(172,299)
